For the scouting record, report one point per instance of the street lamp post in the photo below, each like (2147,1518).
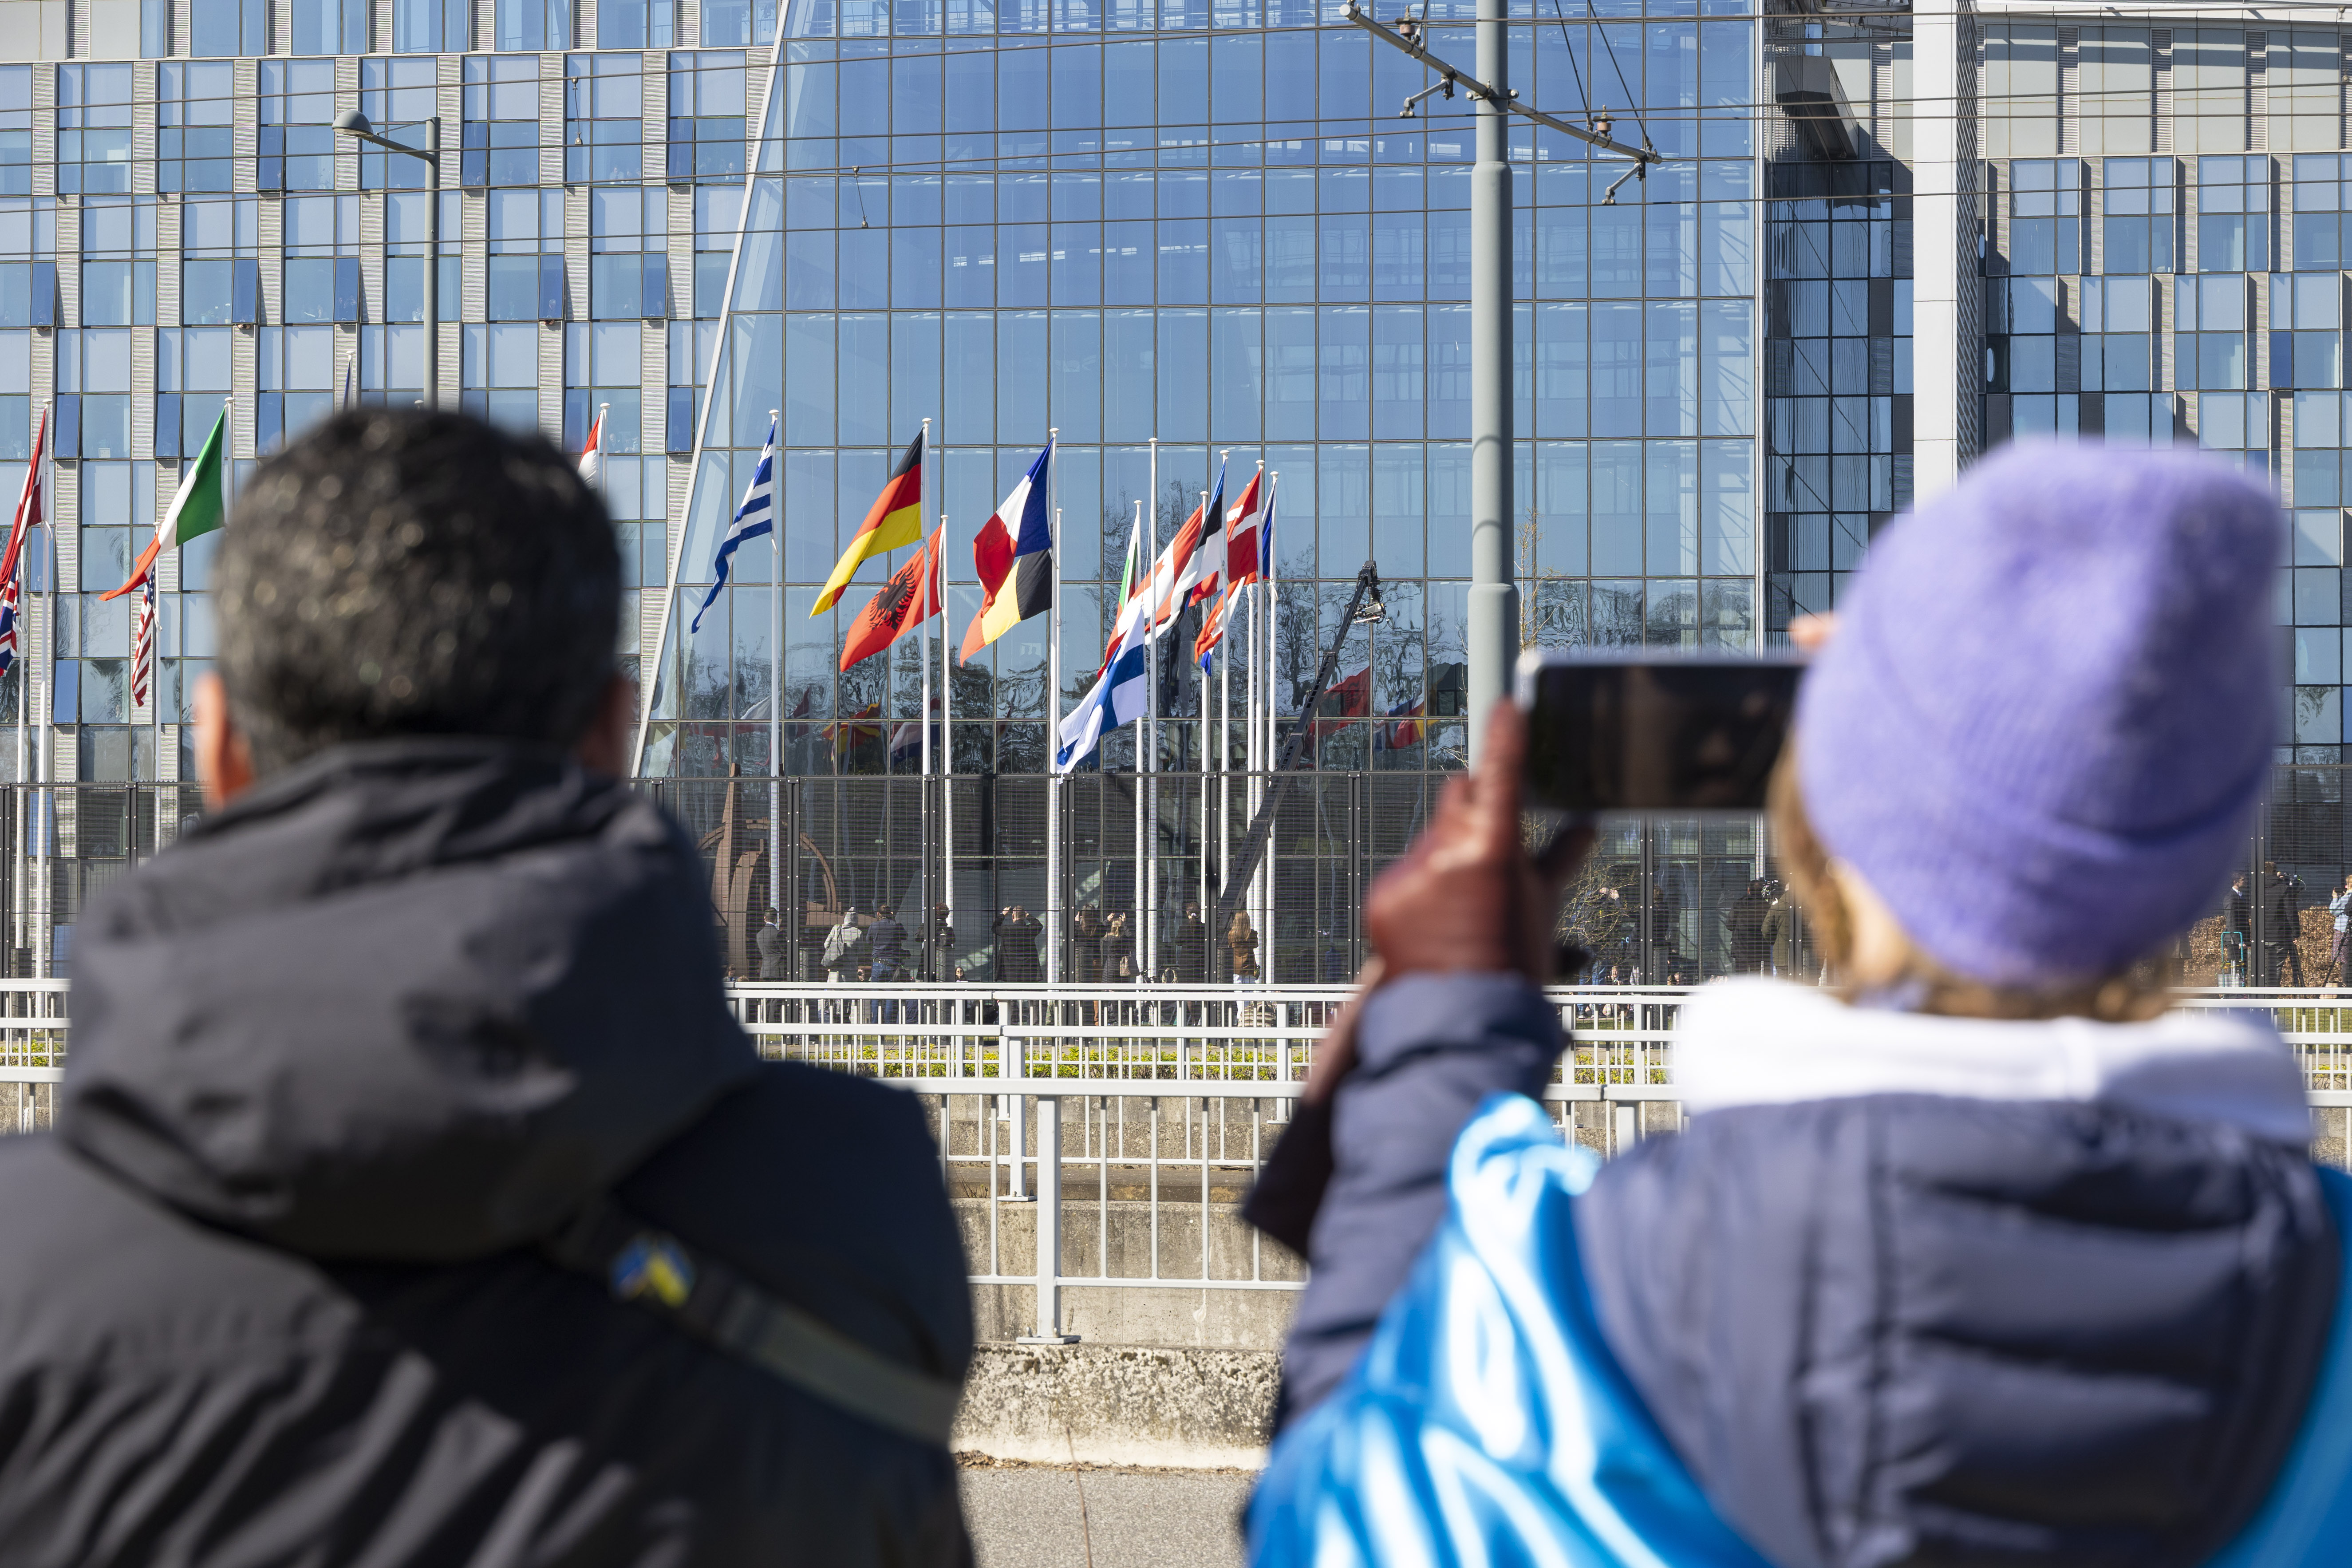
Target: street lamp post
(354,124)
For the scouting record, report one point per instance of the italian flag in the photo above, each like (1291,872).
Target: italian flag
(196,508)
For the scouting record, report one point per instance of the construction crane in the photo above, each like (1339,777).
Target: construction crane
(1364,607)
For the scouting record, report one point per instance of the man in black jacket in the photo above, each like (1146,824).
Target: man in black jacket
(413,1199)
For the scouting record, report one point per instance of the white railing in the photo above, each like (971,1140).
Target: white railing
(1162,1103)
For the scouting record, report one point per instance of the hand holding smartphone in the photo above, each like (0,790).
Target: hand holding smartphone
(1679,733)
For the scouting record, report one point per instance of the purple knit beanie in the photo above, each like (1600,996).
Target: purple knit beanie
(2048,711)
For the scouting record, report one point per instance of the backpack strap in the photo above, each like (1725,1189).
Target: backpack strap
(715,1304)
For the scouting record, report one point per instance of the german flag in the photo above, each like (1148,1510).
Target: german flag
(895,522)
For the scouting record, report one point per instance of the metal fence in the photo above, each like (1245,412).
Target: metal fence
(1671,901)
(1100,1138)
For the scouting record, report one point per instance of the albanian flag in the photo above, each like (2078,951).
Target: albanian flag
(907,600)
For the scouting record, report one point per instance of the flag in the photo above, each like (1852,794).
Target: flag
(1130,570)
(1174,577)
(1348,699)
(909,598)
(755,517)
(895,522)
(142,644)
(592,454)
(1242,537)
(1213,630)
(850,731)
(1015,554)
(197,508)
(906,740)
(1206,567)
(1406,729)
(28,518)
(1265,531)
(1121,694)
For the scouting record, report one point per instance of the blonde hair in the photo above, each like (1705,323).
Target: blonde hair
(2123,997)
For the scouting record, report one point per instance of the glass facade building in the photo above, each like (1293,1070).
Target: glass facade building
(1203,226)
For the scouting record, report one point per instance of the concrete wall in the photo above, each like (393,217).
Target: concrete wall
(1120,1405)
(1228,1315)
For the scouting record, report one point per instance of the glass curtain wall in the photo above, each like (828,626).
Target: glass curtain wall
(1213,229)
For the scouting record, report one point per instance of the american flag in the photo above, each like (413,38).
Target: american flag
(143,643)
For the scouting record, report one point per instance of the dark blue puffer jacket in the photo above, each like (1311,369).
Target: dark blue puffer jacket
(1908,1289)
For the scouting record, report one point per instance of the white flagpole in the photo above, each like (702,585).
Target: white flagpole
(787,934)
(923,700)
(155,698)
(45,748)
(1150,935)
(1135,936)
(24,665)
(1053,717)
(943,952)
(1269,718)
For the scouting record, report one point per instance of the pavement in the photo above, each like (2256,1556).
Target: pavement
(1029,1516)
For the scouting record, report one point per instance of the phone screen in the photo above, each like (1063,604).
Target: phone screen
(1654,734)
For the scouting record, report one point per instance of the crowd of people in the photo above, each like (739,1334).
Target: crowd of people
(1101,948)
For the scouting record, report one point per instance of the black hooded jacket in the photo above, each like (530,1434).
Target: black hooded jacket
(340,1061)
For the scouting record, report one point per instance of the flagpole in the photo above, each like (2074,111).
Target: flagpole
(26,663)
(1200,683)
(1053,717)
(786,935)
(942,951)
(45,748)
(1268,720)
(1150,935)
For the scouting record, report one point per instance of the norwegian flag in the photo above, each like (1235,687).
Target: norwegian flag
(28,518)
(143,643)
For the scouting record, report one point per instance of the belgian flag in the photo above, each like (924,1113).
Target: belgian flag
(895,521)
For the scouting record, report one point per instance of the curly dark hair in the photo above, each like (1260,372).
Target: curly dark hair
(400,572)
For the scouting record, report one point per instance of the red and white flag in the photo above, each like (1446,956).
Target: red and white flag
(142,644)
(591,455)
(28,518)
(1241,537)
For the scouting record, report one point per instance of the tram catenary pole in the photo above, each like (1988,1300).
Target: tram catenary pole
(1494,618)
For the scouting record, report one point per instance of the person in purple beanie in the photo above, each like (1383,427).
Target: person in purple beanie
(1983,1254)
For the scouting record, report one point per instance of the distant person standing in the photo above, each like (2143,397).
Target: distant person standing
(2339,909)
(1191,947)
(2279,955)
(1779,931)
(770,939)
(842,945)
(1118,951)
(937,944)
(1085,945)
(1745,925)
(1016,932)
(886,940)
(1242,939)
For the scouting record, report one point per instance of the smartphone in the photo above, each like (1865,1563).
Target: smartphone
(1646,732)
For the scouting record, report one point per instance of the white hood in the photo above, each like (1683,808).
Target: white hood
(1767,1042)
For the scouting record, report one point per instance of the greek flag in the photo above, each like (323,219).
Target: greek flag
(755,517)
